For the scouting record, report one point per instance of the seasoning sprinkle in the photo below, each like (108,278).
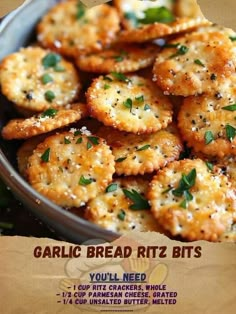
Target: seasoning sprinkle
(83,181)
(46,155)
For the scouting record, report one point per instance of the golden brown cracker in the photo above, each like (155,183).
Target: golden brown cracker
(72,29)
(36,79)
(71,168)
(192,201)
(129,103)
(144,153)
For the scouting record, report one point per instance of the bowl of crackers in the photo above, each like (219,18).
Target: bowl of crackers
(120,117)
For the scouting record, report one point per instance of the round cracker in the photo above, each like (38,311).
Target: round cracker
(71,168)
(72,29)
(144,153)
(44,122)
(156,30)
(211,211)
(122,58)
(111,210)
(198,62)
(22,74)
(203,121)
(131,103)
(25,151)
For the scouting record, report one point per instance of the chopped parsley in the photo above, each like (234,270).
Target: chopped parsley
(77,132)
(80,11)
(107,78)
(232,38)
(66,141)
(209,165)
(79,141)
(143,147)
(230,132)
(230,107)
(51,112)
(185,183)
(111,188)
(92,140)
(120,159)
(46,78)
(120,77)
(128,103)
(139,201)
(209,137)
(51,60)
(46,155)
(199,62)
(83,181)
(132,18)
(159,14)
(106,86)
(121,215)
(118,58)
(181,50)
(140,99)
(49,95)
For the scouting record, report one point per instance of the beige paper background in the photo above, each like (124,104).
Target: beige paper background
(204,285)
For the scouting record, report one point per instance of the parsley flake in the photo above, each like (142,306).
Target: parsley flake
(66,141)
(128,103)
(46,78)
(80,11)
(106,86)
(147,107)
(46,155)
(230,107)
(230,132)
(111,188)
(143,147)
(181,50)
(121,215)
(120,77)
(199,62)
(83,181)
(120,159)
(232,38)
(49,113)
(209,165)
(49,95)
(140,99)
(139,201)
(132,18)
(159,14)
(79,141)
(209,137)
(51,60)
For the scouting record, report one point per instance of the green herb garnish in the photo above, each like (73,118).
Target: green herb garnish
(77,132)
(230,132)
(118,58)
(49,95)
(120,159)
(232,38)
(51,60)
(46,155)
(111,188)
(46,78)
(139,202)
(230,107)
(120,77)
(49,113)
(143,147)
(167,190)
(66,141)
(83,181)
(80,11)
(209,137)
(79,141)
(209,165)
(59,68)
(159,14)
(181,50)
(106,86)
(185,183)
(128,103)
(121,215)
(107,78)
(199,62)
(140,99)
(94,140)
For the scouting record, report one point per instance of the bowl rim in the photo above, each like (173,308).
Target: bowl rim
(67,224)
